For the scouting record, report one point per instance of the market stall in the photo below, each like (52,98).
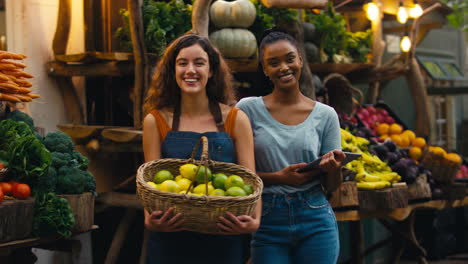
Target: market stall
(401,170)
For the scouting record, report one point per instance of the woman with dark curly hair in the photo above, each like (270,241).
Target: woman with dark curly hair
(189,98)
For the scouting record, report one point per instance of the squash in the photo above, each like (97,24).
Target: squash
(312,52)
(239,13)
(309,32)
(234,42)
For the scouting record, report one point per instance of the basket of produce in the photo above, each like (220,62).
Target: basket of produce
(444,166)
(203,190)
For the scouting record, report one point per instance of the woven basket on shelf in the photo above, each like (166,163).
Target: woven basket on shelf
(441,170)
(201,213)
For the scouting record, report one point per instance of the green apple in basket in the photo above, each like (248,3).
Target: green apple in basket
(234,181)
(200,178)
(235,191)
(162,175)
(218,180)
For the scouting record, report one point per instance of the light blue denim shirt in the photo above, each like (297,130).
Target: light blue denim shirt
(278,145)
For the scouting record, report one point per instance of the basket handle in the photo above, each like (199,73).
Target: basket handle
(204,161)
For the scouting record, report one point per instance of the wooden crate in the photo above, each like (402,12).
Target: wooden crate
(16,218)
(82,206)
(345,196)
(385,199)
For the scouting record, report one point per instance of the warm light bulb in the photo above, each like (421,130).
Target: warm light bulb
(405,44)
(416,11)
(372,11)
(402,15)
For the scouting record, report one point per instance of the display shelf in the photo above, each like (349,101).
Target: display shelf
(341,68)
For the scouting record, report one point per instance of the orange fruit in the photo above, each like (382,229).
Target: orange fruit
(415,153)
(410,134)
(405,142)
(395,129)
(453,158)
(419,142)
(382,129)
(396,138)
(439,151)
(384,136)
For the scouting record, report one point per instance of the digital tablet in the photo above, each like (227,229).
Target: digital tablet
(350,156)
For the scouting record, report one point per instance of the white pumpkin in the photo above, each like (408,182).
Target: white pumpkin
(234,42)
(239,13)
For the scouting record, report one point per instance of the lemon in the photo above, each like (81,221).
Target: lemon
(188,171)
(178,177)
(235,191)
(170,186)
(232,181)
(218,192)
(162,175)
(152,184)
(218,180)
(184,183)
(200,178)
(201,189)
(248,189)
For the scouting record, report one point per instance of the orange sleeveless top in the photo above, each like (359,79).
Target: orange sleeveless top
(164,128)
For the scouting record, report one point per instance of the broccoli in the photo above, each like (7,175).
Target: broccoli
(21,116)
(59,142)
(47,183)
(71,180)
(60,159)
(82,161)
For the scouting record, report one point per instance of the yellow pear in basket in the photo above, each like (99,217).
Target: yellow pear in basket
(178,177)
(235,191)
(232,181)
(218,192)
(162,175)
(152,184)
(188,171)
(170,186)
(184,183)
(201,189)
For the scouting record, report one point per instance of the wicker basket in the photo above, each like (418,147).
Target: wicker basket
(201,213)
(441,170)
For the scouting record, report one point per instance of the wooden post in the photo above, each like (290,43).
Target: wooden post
(200,17)
(59,44)
(378,46)
(420,99)
(141,60)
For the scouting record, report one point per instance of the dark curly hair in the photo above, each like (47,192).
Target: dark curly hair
(164,91)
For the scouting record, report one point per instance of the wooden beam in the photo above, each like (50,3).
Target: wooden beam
(62,30)
(112,68)
(142,73)
(123,134)
(200,17)
(378,47)
(71,101)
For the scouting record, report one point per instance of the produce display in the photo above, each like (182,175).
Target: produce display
(14,86)
(195,180)
(42,167)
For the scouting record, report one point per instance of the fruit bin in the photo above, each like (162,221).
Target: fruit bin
(82,206)
(390,112)
(442,171)
(201,213)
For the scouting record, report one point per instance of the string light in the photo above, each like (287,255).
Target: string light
(405,43)
(402,15)
(372,10)
(416,11)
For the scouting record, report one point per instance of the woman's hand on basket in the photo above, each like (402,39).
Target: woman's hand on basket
(164,221)
(233,225)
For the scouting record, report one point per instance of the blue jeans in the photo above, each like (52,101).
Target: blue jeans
(296,228)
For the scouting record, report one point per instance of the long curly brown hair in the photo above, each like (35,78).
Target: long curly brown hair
(164,91)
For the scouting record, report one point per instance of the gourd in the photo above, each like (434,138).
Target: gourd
(312,52)
(239,13)
(234,42)
(309,32)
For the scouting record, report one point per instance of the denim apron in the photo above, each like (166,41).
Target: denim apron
(191,247)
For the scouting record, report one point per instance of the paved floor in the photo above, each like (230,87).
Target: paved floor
(454,259)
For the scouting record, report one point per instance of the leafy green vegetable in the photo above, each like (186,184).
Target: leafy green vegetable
(333,38)
(17,115)
(52,216)
(162,22)
(268,18)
